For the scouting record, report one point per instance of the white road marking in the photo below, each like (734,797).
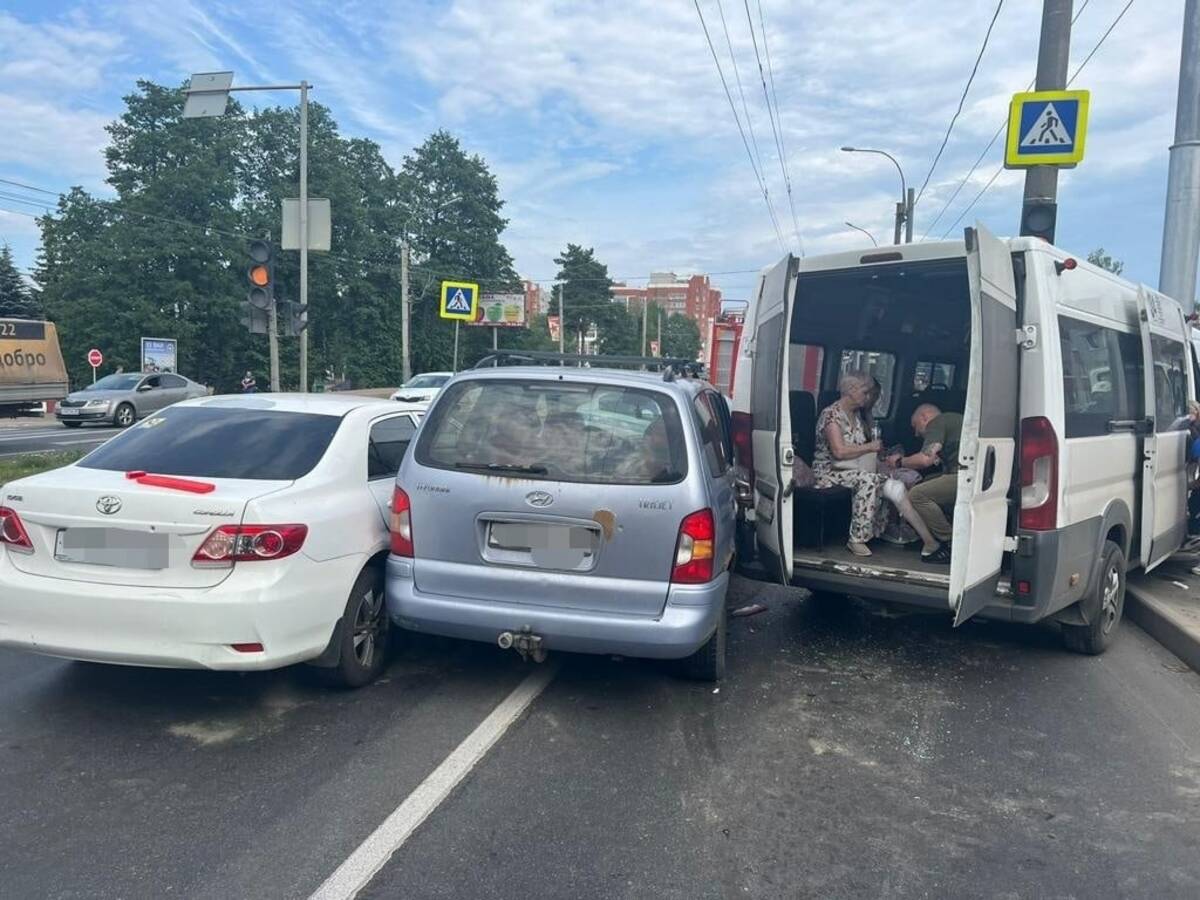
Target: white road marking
(372,854)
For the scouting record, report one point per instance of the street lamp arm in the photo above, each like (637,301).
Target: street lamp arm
(895,162)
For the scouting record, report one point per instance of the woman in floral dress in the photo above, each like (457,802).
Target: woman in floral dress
(844,456)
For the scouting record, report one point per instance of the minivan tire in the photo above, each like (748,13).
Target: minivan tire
(366,619)
(1106,605)
(124,416)
(707,663)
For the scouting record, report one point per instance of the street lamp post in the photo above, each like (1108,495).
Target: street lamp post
(864,231)
(904,209)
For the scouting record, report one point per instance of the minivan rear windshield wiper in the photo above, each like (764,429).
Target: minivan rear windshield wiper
(503,467)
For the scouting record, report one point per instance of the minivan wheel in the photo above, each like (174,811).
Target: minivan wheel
(707,663)
(124,416)
(1107,604)
(365,632)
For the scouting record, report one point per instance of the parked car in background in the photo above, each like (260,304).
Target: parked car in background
(422,388)
(123,398)
(232,532)
(587,510)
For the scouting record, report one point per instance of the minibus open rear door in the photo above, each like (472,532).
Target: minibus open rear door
(988,442)
(771,434)
(1165,368)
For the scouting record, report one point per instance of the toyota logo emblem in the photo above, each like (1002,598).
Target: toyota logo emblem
(539,499)
(109,505)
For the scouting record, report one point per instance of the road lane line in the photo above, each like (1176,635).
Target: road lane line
(373,854)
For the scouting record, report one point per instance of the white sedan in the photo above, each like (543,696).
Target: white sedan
(422,388)
(234,532)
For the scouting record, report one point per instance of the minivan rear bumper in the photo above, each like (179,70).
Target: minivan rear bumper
(686,622)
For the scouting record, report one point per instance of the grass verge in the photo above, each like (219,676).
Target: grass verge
(13,467)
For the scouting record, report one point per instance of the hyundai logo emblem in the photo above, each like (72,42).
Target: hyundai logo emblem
(109,505)
(539,499)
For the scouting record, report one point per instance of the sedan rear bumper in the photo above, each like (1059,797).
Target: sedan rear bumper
(290,610)
(686,622)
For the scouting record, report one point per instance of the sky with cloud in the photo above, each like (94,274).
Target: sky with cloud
(606,121)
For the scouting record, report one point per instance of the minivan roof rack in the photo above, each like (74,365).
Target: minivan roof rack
(672,367)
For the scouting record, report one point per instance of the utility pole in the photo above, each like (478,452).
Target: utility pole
(304,386)
(273,345)
(562,319)
(660,346)
(405,314)
(1054,54)
(645,314)
(1181,224)
(910,202)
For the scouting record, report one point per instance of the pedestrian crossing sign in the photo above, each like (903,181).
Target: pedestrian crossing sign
(1046,128)
(460,300)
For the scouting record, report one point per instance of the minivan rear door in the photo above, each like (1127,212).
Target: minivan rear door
(772,421)
(988,442)
(1167,386)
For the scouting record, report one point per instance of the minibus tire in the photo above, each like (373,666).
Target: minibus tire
(707,663)
(1104,607)
(350,672)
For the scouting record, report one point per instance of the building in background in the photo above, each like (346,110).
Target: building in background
(693,296)
(537,300)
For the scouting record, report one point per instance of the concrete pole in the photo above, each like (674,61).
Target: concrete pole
(405,314)
(1054,54)
(645,329)
(1181,225)
(910,202)
(273,345)
(899,222)
(304,235)
(562,320)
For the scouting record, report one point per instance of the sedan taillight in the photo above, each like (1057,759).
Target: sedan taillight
(12,531)
(249,543)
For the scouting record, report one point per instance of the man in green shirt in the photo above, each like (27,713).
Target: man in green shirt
(936,493)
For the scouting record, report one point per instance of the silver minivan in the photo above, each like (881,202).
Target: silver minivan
(579,509)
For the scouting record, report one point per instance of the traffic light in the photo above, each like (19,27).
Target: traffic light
(261,277)
(1038,218)
(291,318)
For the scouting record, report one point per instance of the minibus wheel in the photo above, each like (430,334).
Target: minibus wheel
(1104,607)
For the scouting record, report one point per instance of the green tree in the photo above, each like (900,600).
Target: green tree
(1099,258)
(587,301)
(16,300)
(680,337)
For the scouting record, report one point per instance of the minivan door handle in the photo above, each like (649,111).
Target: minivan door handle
(989,468)
(789,455)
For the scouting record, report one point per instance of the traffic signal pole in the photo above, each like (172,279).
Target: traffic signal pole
(273,346)
(304,386)
(1054,53)
(1181,223)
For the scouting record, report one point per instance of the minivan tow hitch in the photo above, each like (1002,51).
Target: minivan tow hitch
(524,642)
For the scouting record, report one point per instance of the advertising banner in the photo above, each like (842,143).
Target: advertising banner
(159,354)
(501,311)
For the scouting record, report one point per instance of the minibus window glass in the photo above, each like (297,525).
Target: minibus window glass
(1170,384)
(929,374)
(1101,376)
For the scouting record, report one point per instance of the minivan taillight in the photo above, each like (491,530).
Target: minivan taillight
(249,543)
(12,531)
(694,549)
(741,427)
(401,524)
(1039,475)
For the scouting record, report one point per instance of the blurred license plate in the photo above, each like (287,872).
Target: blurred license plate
(67,411)
(118,547)
(569,547)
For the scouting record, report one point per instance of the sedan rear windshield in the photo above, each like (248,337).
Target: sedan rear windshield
(556,431)
(229,442)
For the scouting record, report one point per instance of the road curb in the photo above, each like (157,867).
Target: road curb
(1164,624)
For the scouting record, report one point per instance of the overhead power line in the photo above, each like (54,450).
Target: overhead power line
(729,96)
(1070,81)
(738,78)
(29,187)
(773,115)
(961,100)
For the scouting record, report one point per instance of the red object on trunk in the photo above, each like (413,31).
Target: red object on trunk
(170,481)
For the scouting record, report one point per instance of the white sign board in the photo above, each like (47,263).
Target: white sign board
(320,229)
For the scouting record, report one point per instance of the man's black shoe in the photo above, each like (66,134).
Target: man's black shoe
(940,556)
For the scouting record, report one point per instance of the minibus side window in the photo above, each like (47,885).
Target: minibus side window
(1102,379)
(881,366)
(1170,384)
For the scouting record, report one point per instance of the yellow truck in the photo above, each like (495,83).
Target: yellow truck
(31,365)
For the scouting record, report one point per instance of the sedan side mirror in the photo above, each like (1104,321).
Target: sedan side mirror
(142,388)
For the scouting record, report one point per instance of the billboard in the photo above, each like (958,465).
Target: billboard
(159,354)
(501,311)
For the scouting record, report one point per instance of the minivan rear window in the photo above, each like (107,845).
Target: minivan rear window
(229,442)
(556,431)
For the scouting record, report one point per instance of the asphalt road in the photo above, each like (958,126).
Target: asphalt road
(849,753)
(21,437)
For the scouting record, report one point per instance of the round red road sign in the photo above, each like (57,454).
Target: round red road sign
(95,358)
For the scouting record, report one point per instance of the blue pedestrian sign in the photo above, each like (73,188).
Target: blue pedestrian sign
(460,300)
(1046,128)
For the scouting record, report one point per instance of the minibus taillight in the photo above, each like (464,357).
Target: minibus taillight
(401,524)
(1039,474)
(742,428)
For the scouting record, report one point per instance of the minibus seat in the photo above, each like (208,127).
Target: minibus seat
(820,515)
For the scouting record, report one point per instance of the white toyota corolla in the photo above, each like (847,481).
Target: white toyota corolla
(242,532)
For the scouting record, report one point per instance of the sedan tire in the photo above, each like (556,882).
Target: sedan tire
(124,416)
(365,630)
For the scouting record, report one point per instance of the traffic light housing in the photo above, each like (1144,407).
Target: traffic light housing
(261,274)
(291,318)
(1038,219)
